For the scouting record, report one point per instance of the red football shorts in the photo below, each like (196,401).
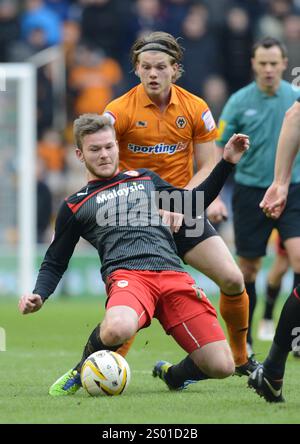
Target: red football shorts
(173,298)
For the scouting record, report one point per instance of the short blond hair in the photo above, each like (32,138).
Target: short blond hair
(90,124)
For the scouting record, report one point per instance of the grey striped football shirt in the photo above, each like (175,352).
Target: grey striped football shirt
(119,217)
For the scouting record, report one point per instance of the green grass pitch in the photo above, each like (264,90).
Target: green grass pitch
(42,346)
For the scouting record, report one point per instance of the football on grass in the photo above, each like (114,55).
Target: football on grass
(105,373)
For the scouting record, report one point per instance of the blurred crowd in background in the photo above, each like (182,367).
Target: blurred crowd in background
(95,37)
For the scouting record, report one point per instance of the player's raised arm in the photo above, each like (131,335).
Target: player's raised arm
(205,157)
(235,147)
(233,151)
(212,185)
(275,198)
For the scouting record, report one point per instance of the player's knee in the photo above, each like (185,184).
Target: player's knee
(218,363)
(116,330)
(249,269)
(222,369)
(233,283)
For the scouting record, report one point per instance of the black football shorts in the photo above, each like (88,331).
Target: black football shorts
(252,228)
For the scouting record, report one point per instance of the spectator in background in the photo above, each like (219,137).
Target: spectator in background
(92,80)
(35,41)
(9,27)
(9,222)
(200,50)
(271,23)
(236,41)
(216,10)
(37,15)
(280,8)
(291,36)
(60,7)
(44,100)
(44,203)
(52,153)
(255,8)
(174,13)
(71,37)
(215,92)
(102,25)
(20,51)
(148,17)
(145,16)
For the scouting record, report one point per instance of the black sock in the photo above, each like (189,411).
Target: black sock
(272,295)
(251,290)
(288,321)
(274,364)
(186,369)
(296,280)
(94,344)
(286,335)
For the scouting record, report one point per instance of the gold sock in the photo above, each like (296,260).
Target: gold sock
(124,348)
(234,310)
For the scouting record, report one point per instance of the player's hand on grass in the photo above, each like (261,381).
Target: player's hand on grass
(235,147)
(173,220)
(274,200)
(217,211)
(29,303)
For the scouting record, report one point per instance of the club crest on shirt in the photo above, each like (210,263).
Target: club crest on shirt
(181,122)
(132,173)
(141,124)
(122,284)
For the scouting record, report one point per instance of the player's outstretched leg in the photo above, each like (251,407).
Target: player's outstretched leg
(213,258)
(234,310)
(265,386)
(206,360)
(248,368)
(176,377)
(67,384)
(70,383)
(267,380)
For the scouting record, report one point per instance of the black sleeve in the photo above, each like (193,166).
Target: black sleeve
(56,260)
(213,184)
(210,187)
